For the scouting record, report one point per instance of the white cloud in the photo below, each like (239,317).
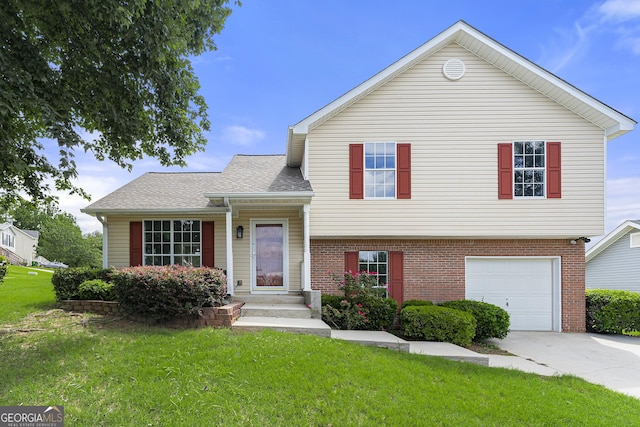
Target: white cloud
(620,10)
(623,201)
(240,135)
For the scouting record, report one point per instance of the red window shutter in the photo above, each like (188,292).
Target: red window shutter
(396,279)
(505,171)
(207,244)
(135,243)
(356,171)
(352,262)
(403,154)
(554,183)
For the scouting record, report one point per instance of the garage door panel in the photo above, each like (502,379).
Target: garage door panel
(521,286)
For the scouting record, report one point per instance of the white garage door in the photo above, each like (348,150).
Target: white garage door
(527,288)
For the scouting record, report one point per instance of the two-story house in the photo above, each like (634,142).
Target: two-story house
(462,170)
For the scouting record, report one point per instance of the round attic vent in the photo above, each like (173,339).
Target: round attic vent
(454,69)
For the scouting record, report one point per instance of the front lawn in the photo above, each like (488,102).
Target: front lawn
(23,293)
(109,372)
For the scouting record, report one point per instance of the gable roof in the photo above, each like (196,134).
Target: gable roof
(165,192)
(613,122)
(29,233)
(622,230)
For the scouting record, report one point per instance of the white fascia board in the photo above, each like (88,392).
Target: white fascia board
(197,211)
(274,195)
(610,238)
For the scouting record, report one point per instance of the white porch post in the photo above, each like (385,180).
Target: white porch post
(105,240)
(307,249)
(229,240)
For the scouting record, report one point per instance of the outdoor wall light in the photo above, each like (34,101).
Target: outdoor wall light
(239,232)
(584,239)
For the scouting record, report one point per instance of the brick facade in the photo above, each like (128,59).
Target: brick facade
(435,269)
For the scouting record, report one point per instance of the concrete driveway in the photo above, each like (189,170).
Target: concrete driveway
(610,360)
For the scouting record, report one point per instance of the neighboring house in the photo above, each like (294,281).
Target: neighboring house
(460,171)
(614,262)
(18,245)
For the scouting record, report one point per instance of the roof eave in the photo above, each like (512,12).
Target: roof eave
(610,238)
(154,211)
(271,195)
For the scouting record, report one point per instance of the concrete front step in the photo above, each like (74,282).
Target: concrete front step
(270,299)
(291,311)
(283,324)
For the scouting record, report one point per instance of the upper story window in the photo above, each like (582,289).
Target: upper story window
(634,239)
(529,168)
(380,170)
(8,239)
(168,242)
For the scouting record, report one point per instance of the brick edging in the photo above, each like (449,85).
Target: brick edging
(219,317)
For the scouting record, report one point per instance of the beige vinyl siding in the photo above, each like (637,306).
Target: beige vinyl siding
(242,248)
(119,237)
(454,128)
(119,242)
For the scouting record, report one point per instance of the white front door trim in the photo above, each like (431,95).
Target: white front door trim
(285,255)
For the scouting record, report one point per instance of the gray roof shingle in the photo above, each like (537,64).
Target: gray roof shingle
(186,190)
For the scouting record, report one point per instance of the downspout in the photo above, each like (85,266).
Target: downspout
(105,240)
(307,251)
(229,245)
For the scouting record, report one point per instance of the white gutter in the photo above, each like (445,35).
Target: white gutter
(105,240)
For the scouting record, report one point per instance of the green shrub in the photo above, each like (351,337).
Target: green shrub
(435,323)
(612,311)
(168,292)
(4,265)
(66,281)
(415,302)
(96,289)
(328,299)
(362,306)
(492,321)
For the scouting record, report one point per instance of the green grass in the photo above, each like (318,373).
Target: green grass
(110,372)
(23,293)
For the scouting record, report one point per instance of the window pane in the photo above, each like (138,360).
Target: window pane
(518,161)
(177,249)
(379,162)
(166,225)
(538,176)
(528,148)
(369,191)
(166,249)
(528,189)
(519,177)
(382,256)
(539,161)
(148,260)
(148,249)
(195,237)
(369,148)
(528,176)
(157,248)
(528,161)
(539,190)
(390,148)
(369,162)
(196,226)
(379,191)
(148,226)
(157,225)
(166,236)
(166,260)
(539,147)
(391,162)
(519,190)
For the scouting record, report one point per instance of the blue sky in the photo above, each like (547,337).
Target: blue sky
(280,60)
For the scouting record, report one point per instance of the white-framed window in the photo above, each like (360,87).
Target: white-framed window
(529,169)
(376,262)
(8,239)
(380,170)
(168,242)
(634,240)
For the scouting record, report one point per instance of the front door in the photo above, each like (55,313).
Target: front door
(269,241)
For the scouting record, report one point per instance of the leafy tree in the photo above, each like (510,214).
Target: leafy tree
(62,240)
(60,237)
(113,69)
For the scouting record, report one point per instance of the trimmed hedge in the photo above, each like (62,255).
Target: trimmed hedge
(492,321)
(435,323)
(612,311)
(67,281)
(96,289)
(168,292)
(415,302)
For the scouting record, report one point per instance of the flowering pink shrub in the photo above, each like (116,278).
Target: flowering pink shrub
(363,306)
(167,292)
